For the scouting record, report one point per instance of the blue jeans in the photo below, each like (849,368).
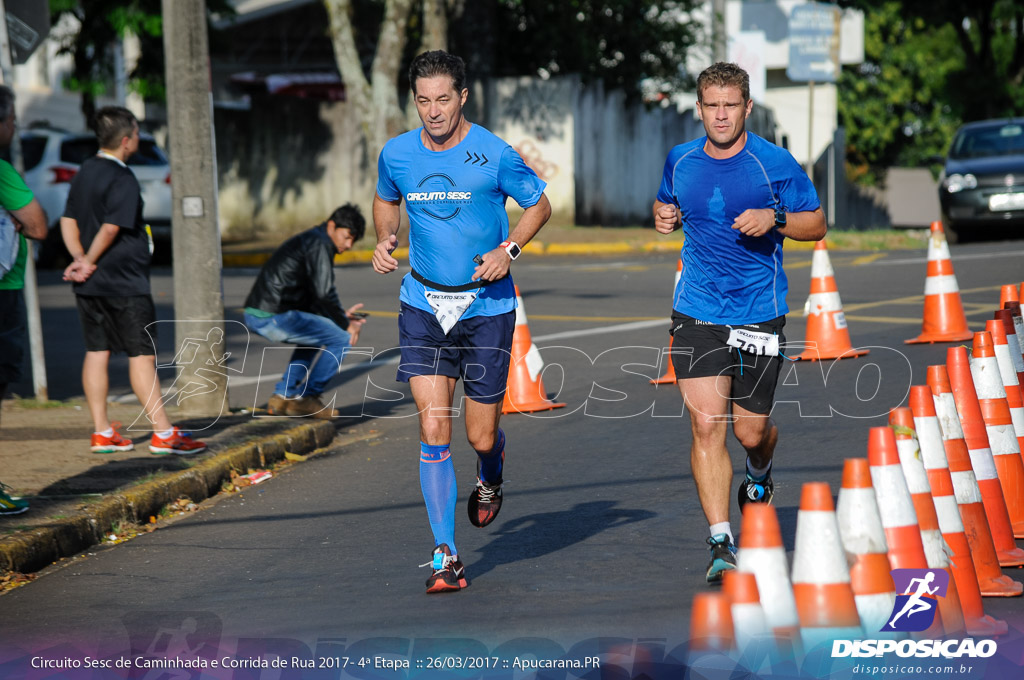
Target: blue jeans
(310,332)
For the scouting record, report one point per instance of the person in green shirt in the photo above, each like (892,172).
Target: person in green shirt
(26,218)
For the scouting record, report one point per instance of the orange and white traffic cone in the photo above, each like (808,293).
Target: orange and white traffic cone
(991,580)
(1009,372)
(525,392)
(821,579)
(936,550)
(1014,354)
(1008,293)
(761,553)
(670,370)
(944,318)
(999,424)
(711,627)
(1018,321)
(895,505)
(828,336)
(748,619)
(860,528)
(982,461)
(933,458)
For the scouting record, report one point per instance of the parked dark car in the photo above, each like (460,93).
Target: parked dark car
(982,184)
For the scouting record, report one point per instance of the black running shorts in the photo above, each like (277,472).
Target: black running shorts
(118,324)
(700,350)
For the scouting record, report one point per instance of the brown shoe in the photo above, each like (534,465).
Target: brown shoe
(278,405)
(310,406)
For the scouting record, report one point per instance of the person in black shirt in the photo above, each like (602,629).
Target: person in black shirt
(294,300)
(103,230)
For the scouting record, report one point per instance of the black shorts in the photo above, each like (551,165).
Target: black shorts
(118,324)
(700,350)
(12,335)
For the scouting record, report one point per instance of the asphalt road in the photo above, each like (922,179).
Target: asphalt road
(600,545)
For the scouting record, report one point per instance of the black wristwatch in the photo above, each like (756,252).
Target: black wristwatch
(780,217)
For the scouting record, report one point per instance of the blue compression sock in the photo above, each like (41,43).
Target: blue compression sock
(437,481)
(491,462)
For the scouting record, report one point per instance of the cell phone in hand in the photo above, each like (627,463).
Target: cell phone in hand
(358,315)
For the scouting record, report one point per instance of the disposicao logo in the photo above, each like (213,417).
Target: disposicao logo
(915,609)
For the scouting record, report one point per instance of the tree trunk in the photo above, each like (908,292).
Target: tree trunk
(376,99)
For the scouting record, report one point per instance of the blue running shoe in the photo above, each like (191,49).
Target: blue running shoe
(756,490)
(723,557)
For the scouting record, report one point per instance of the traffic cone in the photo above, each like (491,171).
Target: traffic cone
(748,619)
(821,579)
(525,392)
(1008,293)
(860,528)
(982,461)
(936,550)
(1018,322)
(670,371)
(828,336)
(999,424)
(902,533)
(1013,352)
(944,318)
(991,580)
(762,554)
(711,627)
(1008,373)
(933,458)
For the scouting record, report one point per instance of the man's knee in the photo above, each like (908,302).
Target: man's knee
(751,432)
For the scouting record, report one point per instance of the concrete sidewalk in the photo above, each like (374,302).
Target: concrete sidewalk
(79,499)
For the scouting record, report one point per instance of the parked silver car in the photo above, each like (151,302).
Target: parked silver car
(52,157)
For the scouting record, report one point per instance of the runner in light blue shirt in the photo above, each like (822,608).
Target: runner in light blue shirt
(458,302)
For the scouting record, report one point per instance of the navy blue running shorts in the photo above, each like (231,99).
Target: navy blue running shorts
(477,349)
(118,324)
(700,350)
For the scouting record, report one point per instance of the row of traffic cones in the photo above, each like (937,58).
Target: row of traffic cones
(942,488)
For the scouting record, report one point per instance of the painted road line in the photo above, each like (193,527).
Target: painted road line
(958,257)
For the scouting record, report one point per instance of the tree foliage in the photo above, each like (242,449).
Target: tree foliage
(929,66)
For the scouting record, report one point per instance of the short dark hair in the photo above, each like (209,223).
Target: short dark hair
(6,102)
(438,63)
(349,217)
(723,74)
(112,124)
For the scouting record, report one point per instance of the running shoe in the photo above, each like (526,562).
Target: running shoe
(277,405)
(180,443)
(448,572)
(116,442)
(756,490)
(723,557)
(8,505)
(485,499)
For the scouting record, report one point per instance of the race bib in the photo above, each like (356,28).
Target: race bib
(753,342)
(449,307)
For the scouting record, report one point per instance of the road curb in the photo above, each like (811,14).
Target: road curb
(36,548)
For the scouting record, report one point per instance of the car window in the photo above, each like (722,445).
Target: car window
(32,148)
(997,140)
(77,149)
(148,154)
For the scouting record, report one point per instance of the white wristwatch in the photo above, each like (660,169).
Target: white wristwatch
(512,248)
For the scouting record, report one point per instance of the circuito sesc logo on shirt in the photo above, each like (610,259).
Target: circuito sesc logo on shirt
(441,193)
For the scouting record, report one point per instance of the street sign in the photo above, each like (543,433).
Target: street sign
(814,43)
(28,23)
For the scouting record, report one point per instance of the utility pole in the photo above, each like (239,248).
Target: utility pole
(719,43)
(200,334)
(31,290)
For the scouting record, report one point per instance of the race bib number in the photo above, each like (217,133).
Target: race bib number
(753,342)
(449,307)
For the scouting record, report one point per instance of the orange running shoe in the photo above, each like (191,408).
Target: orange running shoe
(116,442)
(180,443)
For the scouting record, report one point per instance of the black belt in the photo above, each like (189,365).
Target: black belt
(472,285)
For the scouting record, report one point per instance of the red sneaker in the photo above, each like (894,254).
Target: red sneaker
(180,443)
(116,442)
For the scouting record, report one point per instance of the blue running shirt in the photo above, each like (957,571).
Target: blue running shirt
(730,278)
(456,205)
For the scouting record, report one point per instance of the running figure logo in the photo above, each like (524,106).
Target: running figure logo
(915,609)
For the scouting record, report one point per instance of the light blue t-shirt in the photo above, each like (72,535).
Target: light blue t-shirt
(456,205)
(728,277)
